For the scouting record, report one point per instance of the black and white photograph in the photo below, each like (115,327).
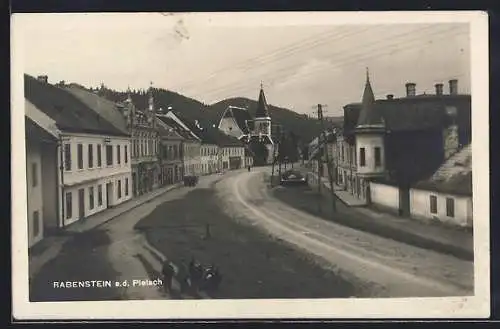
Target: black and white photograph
(250,165)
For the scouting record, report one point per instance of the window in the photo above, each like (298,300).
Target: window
(450,207)
(91,197)
(36,223)
(126,154)
(433,201)
(362,160)
(118,154)
(378,157)
(342,153)
(119,188)
(99,195)
(69,205)
(109,155)
(91,155)
(99,157)
(79,154)
(67,157)
(126,186)
(34,174)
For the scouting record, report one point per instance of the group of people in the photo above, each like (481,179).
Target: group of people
(194,278)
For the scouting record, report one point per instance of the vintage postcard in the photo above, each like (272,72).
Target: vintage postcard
(250,165)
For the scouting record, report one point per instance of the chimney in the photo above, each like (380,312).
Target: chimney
(43,78)
(453,86)
(390,96)
(410,89)
(439,88)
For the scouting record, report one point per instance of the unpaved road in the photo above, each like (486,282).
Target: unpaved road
(394,269)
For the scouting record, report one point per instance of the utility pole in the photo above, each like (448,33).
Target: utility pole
(326,153)
(275,154)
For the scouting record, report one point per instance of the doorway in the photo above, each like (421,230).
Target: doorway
(109,194)
(81,203)
(404,201)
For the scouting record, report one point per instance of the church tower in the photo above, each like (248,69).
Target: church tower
(370,135)
(151,108)
(262,120)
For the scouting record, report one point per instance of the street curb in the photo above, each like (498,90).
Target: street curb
(136,206)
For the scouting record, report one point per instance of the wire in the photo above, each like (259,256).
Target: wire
(361,46)
(351,59)
(278,51)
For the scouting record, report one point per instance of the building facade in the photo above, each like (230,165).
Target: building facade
(400,141)
(145,145)
(93,164)
(41,181)
(170,153)
(191,146)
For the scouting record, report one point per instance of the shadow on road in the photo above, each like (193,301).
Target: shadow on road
(253,264)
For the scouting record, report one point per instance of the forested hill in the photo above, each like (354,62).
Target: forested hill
(306,128)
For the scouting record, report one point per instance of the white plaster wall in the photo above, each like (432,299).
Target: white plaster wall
(420,207)
(115,200)
(384,195)
(35,201)
(369,142)
(210,160)
(79,176)
(229,127)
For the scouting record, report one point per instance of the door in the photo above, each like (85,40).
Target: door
(109,194)
(404,201)
(81,203)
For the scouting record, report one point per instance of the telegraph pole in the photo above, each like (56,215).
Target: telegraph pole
(275,152)
(326,153)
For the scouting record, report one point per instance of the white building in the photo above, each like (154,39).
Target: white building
(256,132)
(447,195)
(191,147)
(94,156)
(41,181)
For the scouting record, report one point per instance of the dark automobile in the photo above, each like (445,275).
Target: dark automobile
(293,177)
(190,180)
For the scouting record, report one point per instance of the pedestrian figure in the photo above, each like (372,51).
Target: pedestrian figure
(248,168)
(168,274)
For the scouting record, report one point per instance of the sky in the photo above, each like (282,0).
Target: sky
(300,62)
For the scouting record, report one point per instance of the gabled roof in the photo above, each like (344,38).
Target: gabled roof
(181,121)
(179,129)
(168,130)
(69,113)
(241,116)
(414,113)
(454,176)
(36,133)
(262,107)
(102,106)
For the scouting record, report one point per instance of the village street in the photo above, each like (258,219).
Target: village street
(263,247)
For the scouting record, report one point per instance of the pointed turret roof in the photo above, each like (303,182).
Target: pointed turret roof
(262,108)
(369,115)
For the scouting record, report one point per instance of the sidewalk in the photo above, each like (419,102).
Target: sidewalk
(453,240)
(105,216)
(347,198)
(51,246)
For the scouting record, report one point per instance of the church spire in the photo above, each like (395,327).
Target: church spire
(369,115)
(262,108)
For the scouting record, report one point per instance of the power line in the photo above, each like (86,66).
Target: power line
(278,51)
(352,60)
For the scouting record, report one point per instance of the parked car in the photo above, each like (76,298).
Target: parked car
(293,177)
(190,180)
